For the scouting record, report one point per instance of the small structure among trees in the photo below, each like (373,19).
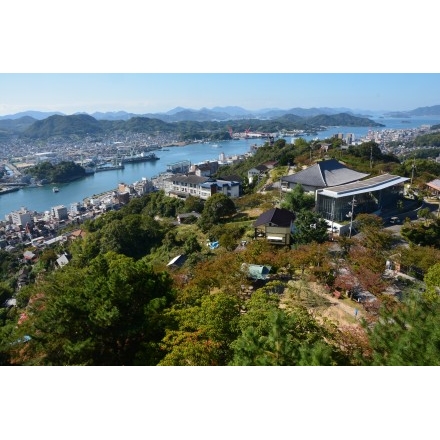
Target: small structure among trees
(275,225)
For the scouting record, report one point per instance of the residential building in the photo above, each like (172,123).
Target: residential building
(177,262)
(434,187)
(75,209)
(20,217)
(144,186)
(188,217)
(59,212)
(275,225)
(257,172)
(182,185)
(206,169)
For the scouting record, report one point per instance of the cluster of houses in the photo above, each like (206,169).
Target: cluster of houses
(340,193)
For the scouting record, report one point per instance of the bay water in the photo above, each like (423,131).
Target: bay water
(43,198)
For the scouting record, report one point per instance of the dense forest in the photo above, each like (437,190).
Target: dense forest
(119,302)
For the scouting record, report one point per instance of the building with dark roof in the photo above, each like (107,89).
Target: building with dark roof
(275,226)
(321,175)
(177,262)
(257,172)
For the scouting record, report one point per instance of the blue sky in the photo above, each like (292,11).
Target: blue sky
(156,92)
(367,58)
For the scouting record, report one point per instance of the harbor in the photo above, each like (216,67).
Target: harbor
(42,198)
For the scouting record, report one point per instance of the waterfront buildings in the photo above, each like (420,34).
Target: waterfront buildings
(59,212)
(183,185)
(20,217)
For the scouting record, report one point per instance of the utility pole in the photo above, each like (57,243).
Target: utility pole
(412,170)
(281,197)
(351,217)
(333,217)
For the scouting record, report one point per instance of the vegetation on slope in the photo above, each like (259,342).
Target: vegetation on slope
(118,303)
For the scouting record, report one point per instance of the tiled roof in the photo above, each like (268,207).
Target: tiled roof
(435,184)
(260,168)
(182,178)
(277,216)
(325,173)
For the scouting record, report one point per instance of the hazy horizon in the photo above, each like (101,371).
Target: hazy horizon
(141,93)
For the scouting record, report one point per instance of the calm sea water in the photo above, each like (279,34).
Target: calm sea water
(43,198)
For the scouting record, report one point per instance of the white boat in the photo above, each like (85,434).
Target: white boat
(55,189)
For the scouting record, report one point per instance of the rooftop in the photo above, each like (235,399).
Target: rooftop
(374,184)
(324,174)
(277,216)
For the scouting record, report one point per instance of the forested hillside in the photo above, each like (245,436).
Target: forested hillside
(119,301)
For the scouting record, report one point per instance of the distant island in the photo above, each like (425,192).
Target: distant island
(80,126)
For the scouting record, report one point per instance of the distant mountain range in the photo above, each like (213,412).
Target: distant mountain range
(180,114)
(420,111)
(80,126)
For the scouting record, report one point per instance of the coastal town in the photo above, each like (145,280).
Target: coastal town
(26,226)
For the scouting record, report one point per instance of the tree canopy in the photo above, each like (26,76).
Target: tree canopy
(309,227)
(109,313)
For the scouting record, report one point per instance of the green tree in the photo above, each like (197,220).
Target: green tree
(309,227)
(432,280)
(192,245)
(298,199)
(216,208)
(293,338)
(408,334)
(202,333)
(134,235)
(418,258)
(371,226)
(5,292)
(109,313)
(424,213)
(423,234)
(193,204)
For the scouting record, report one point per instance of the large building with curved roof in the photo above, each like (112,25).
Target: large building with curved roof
(337,203)
(321,175)
(340,190)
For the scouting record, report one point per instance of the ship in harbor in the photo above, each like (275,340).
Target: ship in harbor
(109,167)
(142,157)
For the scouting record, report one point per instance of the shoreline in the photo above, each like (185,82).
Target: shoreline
(9,190)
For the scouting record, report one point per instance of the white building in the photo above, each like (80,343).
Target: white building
(181,185)
(20,217)
(59,212)
(75,208)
